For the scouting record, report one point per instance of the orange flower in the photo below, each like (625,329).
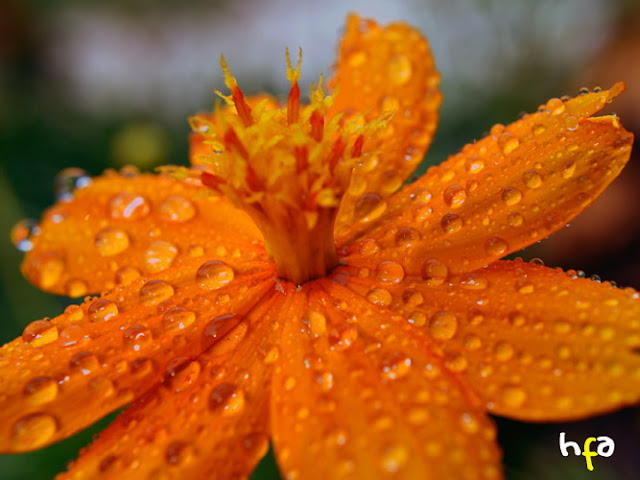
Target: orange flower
(365,328)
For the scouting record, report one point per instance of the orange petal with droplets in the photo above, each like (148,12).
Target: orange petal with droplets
(209,419)
(536,343)
(200,147)
(384,70)
(108,351)
(508,190)
(120,228)
(357,392)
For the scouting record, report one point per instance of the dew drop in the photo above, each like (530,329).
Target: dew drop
(451,223)
(474,164)
(407,237)
(102,310)
(508,142)
(22,234)
(412,297)
(33,431)
(369,247)
(176,208)
(218,328)
(417,318)
(369,207)
(136,337)
(39,333)
(102,387)
(129,206)
(399,70)
(394,458)
(142,367)
(389,272)
(182,373)
(511,196)
(49,268)
(555,106)
(214,274)
(515,219)
(443,325)
(395,366)
(155,291)
(68,181)
(228,399)
(454,196)
(179,453)
(317,324)
(434,272)
(71,335)
(178,318)
(84,363)
(76,288)
(568,170)
(495,246)
(126,275)
(159,256)
(532,179)
(379,296)
(503,351)
(40,390)
(111,241)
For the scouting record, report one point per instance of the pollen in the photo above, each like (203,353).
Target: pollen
(287,166)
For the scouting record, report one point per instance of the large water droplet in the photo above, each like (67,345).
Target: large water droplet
(369,206)
(443,325)
(379,296)
(130,206)
(136,337)
(399,70)
(39,333)
(176,208)
(512,396)
(111,241)
(33,431)
(451,223)
(102,310)
(40,390)
(69,180)
(178,318)
(394,458)
(227,398)
(84,363)
(182,373)
(454,196)
(389,272)
(434,272)
(508,142)
(155,291)
(22,234)
(214,274)
(179,453)
(495,246)
(511,196)
(159,256)
(407,237)
(395,366)
(532,179)
(218,328)
(126,275)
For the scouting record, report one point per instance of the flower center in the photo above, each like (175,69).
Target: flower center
(287,167)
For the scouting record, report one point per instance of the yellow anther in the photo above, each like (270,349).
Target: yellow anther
(229,79)
(293,75)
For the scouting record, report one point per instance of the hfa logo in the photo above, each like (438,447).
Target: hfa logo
(605,448)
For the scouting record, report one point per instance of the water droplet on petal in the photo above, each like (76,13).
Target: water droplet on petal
(129,206)
(102,310)
(503,351)
(40,390)
(443,325)
(389,272)
(511,196)
(155,291)
(454,196)
(84,363)
(228,398)
(101,387)
(22,234)
(33,431)
(399,70)
(76,288)
(369,247)
(532,179)
(508,142)
(451,223)
(49,268)
(434,272)
(159,256)
(182,373)
(214,274)
(178,318)
(111,241)
(69,180)
(179,453)
(39,333)
(512,396)
(379,296)
(369,207)
(568,170)
(394,458)
(495,246)
(555,106)
(136,337)
(176,208)
(72,335)
(317,324)
(395,366)
(412,297)
(126,275)
(218,328)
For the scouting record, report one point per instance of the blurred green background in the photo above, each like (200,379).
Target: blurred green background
(105,84)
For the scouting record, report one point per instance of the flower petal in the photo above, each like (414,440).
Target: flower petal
(357,392)
(537,343)
(384,70)
(207,420)
(508,190)
(66,373)
(119,228)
